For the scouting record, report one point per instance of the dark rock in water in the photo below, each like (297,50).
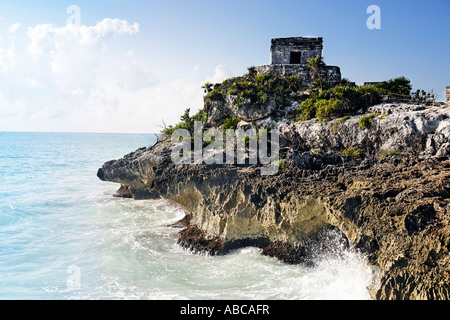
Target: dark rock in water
(328,243)
(286,252)
(195,239)
(390,198)
(183,223)
(123,192)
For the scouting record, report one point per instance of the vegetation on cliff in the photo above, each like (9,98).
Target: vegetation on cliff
(187,122)
(319,98)
(378,173)
(256,88)
(338,101)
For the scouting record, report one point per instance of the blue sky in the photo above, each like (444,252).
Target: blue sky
(130,65)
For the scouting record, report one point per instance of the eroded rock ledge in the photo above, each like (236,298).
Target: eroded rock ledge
(393,206)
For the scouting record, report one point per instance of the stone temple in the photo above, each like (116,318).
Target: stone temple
(290,56)
(447,95)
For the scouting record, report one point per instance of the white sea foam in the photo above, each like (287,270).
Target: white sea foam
(56,217)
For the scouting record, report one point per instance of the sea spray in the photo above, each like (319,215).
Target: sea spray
(64,236)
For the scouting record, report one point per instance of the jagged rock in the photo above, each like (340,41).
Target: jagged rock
(412,130)
(221,110)
(123,192)
(392,202)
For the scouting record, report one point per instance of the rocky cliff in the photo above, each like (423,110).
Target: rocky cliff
(385,187)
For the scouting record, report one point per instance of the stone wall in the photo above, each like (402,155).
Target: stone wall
(281,49)
(285,69)
(332,73)
(308,48)
(447,95)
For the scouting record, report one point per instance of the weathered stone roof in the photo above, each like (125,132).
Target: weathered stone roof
(296,41)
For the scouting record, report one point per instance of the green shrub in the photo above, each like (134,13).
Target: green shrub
(215,95)
(251,71)
(306,109)
(327,108)
(343,119)
(342,99)
(398,87)
(239,102)
(232,91)
(230,123)
(391,154)
(201,115)
(187,122)
(257,89)
(365,121)
(280,164)
(354,98)
(423,96)
(352,152)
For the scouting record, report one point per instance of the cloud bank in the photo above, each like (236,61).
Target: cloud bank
(80,78)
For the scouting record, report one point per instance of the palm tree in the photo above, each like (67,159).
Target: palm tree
(208,87)
(316,64)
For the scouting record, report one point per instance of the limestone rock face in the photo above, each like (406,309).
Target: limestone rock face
(410,129)
(397,212)
(248,112)
(391,200)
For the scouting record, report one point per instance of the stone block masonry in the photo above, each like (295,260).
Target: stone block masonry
(295,50)
(447,95)
(290,57)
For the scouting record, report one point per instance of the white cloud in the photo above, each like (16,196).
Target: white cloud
(7,58)
(221,73)
(46,34)
(14,27)
(133,77)
(37,35)
(68,65)
(73,52)
(35,83)
(10,107)
(79,78)
(78,91)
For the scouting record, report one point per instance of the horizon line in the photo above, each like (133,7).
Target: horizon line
(79,132)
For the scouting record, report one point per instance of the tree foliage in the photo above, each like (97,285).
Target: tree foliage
(338,101)
(186,121)
(257,89)
(316,65)
(400,86)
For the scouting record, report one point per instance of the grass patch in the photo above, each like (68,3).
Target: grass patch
(352,152)
(343,119)
(280,164)
(392,154)
(365,121)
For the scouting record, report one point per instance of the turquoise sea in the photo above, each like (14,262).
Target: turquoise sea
(63,236)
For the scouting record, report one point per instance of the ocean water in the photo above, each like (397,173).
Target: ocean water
(64,237)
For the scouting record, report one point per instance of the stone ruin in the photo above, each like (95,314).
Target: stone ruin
(290,57)
(447,95)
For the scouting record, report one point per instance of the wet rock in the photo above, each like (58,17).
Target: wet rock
(392,202)
(123,192)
